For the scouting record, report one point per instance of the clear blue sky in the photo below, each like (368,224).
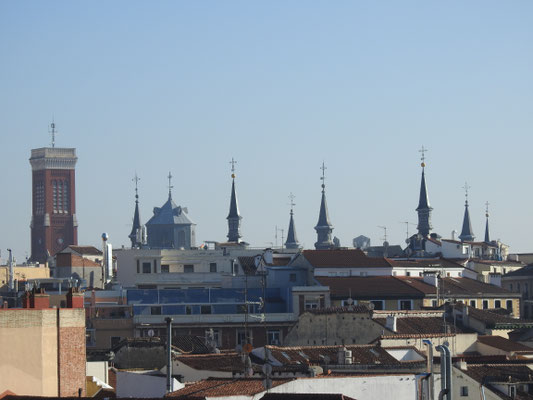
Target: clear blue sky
(281,86)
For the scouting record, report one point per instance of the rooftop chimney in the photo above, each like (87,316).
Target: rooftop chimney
(431,278)
(390,324)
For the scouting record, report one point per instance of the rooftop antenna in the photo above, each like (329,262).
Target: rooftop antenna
(384,238)
(233,162)
(323,177)
(423,157)
(169,185)
(52,131)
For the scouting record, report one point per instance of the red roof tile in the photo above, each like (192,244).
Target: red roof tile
(350,258)
(216,387)
(213,362)
(504,344)
(463,287)
(368,287)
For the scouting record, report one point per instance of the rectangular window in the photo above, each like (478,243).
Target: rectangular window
(311,304)
(408,273)
(155,310)
(188,268)
(378,304)
(473,303)
(205,309)
(405,305)
(165,269)
(274,337)
(509,305)
(485,304)
(212,267)
(433,303)
(292,278)
(138,267)
(497,304)
(464,391)
(147,267)
(188,310)
(241,337)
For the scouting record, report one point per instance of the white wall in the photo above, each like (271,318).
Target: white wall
(98,369)
(131,384)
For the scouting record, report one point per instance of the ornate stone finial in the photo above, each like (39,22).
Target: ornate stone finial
(136,179)
(52,131)
(423,157)
(323,177)
(170,187)
(233,162)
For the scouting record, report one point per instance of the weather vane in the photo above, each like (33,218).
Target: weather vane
(52,131)
(169,184)
(233,162)
(423,157)
(323,177)
(136,179)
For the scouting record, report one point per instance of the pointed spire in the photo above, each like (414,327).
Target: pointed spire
(234,218)
(136,228)
(423,209)
(292,240)
(466,233)
(487,236)
(323,227)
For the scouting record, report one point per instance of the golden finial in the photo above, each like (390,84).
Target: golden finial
(423,158)
(233,162)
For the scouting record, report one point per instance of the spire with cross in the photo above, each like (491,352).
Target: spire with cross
(323,177)
(323,227)
(136,229)
(466,187)
(233,162)
(487,235)
(292,204)
(292,240)
(423,209)
(136,179)
(170,187)
(466,233)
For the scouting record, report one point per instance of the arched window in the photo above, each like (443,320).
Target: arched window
(60,196)
(65,197)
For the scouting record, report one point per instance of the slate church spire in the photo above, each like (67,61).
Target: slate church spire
(423,209)
(466,233)
(135,235)
(234,218)
(292,240)
(323,227)
(487,236)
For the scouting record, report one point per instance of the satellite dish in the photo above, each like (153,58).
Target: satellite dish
(150,332)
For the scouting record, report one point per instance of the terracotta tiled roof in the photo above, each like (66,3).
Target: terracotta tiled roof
(423,326)
(358,309)
(350,258)
(494,373)
(494,320)
(85,250)
(315,355)
(368,287)
(524,271)
(216,387)
(305,396)
(504,344)
(425,263)
(228,362)
(461,287)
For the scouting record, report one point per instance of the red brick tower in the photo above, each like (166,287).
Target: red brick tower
(53,223)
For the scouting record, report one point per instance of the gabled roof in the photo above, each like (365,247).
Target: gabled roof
(170,214)
(459,287)
(495,320)
(229,362)
(340,258)
(368,287)
(82,250)
(365,354)
(217,387)
(504,344)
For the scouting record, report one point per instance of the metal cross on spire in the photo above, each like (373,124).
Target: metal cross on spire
(136,179)
(52,131)
(323,177)
(291,198)
(169,184)
(487,209)
(466,187)
(423,157)
(233,162)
